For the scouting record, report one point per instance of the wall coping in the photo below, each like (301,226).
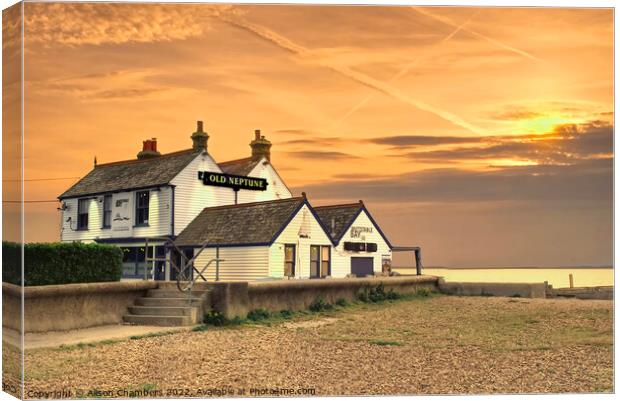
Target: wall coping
(338,282)
(45,291)
(494,283)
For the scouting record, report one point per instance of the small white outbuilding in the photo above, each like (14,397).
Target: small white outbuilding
(360,247)
(261,240)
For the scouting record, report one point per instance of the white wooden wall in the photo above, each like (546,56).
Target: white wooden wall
(191,195)
(241,263)
(275,190)
(341,259)
(260,262)
(304,222)
(159,217)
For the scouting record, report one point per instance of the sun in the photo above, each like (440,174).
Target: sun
(545,124)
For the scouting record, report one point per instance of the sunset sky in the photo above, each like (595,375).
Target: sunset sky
(483,135)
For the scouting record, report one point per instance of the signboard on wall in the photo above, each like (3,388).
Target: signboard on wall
(121,215)
(235,182)
(358,232)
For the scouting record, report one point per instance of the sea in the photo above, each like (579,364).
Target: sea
(557,277)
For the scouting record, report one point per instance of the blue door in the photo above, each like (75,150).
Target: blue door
(362,266)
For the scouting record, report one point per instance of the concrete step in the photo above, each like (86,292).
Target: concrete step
(150,301)
(174,293)
(164,310)
(150,320)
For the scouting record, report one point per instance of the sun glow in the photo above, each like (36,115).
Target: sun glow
(545,124)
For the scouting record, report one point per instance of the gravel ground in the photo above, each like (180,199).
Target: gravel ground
(435,345)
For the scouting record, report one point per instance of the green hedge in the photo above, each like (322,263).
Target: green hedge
(61,263)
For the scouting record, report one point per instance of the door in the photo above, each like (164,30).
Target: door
(180,263)
(320,261)
(315,261)
(289,260)
(362,267)
(160,266)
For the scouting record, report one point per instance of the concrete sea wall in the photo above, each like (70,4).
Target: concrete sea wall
(523,290)
(238,298)
(600,292)
(75,306)
(70,306)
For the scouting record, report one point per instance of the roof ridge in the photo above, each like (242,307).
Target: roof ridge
(236,160)
(295,198)
(132,161)
(340,205)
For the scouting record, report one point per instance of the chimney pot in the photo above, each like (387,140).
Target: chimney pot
(261,147)
(149,149)
(199,138)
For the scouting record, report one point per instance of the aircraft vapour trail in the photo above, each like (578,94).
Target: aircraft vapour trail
(398,75)
(358,77)
(448,21)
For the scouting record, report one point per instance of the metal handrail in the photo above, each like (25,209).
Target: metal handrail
(185,279)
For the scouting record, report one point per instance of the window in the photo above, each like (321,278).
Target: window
(319,261)
(129,262)
(107,211)
(134,262)
(82,223)
(142,208)
(325,253)
(314,261)
(289,260)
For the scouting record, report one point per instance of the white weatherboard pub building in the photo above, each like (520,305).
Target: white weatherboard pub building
(242,209)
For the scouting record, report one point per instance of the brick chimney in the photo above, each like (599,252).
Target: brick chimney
(260,147)
(149,149)
(199,138)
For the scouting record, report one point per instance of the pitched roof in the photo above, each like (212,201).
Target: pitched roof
(238,167)
(343,217)
(242,224)
(338,218)
(131,174)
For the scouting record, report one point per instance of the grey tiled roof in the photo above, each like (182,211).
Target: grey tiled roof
(131,174)
(337,218)
(246,223)
(238,167)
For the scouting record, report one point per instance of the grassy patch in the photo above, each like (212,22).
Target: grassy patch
(319,305)
(386,343)
(379,294)
(215,319)
(109,342)
(149,335)
(286,313)
(342,302)
(202,327)
(65,347)
(257,315)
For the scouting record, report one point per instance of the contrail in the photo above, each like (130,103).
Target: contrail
(358,77)
(398,75)
(448,21)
